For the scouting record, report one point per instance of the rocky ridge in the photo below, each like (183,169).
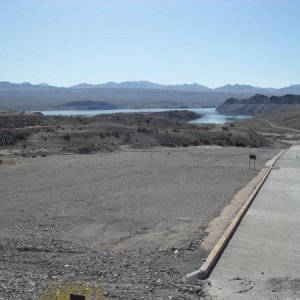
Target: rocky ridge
(259,104)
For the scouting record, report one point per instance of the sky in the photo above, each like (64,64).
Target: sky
(212,42)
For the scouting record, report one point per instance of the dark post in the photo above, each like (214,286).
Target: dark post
(252,156)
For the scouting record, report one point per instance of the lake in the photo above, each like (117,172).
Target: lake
(210,114)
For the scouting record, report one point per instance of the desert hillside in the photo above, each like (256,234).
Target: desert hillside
(34,134)
(280,127)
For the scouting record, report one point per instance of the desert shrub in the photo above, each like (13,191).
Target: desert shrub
(168,145)
(87,149)
(210,125)
(21,136)
(49,129)
(225,127)
(67,137)
(240,144)
(143,130)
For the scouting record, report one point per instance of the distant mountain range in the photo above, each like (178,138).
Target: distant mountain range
(128,94)
(194,87)
(147,85)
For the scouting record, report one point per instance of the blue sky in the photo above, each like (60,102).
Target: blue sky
(211,42)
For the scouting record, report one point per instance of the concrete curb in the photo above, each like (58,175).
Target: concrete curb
(204,271)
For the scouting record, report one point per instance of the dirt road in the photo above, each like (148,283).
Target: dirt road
(279,127)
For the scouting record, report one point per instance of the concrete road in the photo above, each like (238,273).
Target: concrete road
(262,261)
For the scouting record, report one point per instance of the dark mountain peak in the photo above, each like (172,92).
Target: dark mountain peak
(26,84)
(190,87)
(233,88)
(139,84)
(82,86)
(6,84)
(259,97)
(293,86)
(292,89)
(286,99)
(44,84)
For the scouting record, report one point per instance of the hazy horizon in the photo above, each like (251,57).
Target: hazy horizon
(159,83)
(213,43)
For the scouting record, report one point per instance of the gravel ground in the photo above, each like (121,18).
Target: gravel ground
(131,222)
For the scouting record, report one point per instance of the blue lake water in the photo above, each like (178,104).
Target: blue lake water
(210,115)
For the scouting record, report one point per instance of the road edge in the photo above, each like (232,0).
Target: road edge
(206,268)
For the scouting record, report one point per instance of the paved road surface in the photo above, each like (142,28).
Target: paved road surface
(262,261)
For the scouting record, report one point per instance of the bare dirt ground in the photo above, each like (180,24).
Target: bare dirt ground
(131,221)
(282,128)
